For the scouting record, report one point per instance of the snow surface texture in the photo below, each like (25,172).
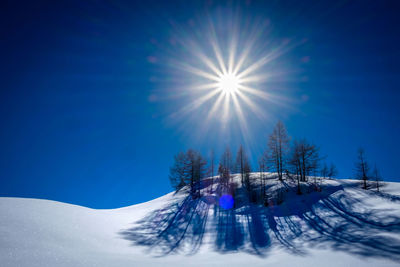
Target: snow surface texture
(342,225)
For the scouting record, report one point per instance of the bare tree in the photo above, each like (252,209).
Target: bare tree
(324,171)
(332,171)
(196,171)
(177,176)
(307,158)
(362,168)
(263,176)
(377,178)
(243,167)
(225,166)
(295,162)
(239,164)
(278,144)
(211,170)
(225,169)
(246,174)
(329,172)
(304,161)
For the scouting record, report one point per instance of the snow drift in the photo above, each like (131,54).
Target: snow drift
(342,225)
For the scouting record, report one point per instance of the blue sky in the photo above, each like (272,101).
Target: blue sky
(88,89)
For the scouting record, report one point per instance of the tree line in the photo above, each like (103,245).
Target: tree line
(296,159)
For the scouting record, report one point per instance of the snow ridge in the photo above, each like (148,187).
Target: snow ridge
(340,225)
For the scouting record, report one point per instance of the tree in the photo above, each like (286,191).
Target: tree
(196,170)
(278,144)
(239,164)
(362,168)
(295,162)
(243,166)
(177,176)
(211,170)
(225,169)
(329,172)
(188,169)
(246,174)
(325,171)
(225,166)
(304,160)
(332,171)
(377,178)
(263,168)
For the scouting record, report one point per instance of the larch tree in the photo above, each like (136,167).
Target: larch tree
(225,166)
(239,164)
(246,175)
(324,171)
(225,169)
(333,172)
(178,174)
(278,144)
(304,160)
(262,175)
(377,178)
(211,170)
(362,168)
(242,166)
(295,162)
(196,170)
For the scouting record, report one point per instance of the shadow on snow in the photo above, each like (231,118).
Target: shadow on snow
(326,219)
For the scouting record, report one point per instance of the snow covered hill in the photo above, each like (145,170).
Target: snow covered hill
(342,225)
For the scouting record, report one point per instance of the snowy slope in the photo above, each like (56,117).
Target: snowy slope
(341,226)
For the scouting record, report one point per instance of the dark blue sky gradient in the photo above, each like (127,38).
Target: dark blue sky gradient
(79,125)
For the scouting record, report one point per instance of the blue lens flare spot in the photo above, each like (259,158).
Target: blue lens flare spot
(226,202)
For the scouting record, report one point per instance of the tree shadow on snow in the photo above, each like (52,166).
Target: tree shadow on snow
(327,219)
(173,227)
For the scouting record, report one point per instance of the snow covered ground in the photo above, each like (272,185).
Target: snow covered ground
(341,226)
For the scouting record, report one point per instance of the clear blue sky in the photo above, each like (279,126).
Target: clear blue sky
(85,92)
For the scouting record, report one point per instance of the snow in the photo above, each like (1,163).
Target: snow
(341,226)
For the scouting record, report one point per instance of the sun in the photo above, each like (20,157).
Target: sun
(229,83)
(227,75)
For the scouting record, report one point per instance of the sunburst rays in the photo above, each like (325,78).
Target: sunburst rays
(224,70)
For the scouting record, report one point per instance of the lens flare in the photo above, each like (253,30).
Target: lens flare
(226,202)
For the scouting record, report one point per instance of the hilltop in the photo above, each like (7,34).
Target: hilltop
(336,224)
